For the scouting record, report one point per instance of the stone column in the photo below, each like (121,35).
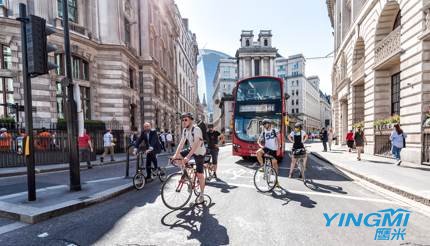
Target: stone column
(252,67)
(271,67)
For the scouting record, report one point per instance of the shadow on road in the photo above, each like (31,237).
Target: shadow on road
(318,187)
(222,185)
(288,197)
(201,224)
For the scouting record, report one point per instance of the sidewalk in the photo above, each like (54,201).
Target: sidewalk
(15,171)
(408,179)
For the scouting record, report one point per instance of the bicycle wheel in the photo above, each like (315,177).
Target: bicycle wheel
(265,178)
(162,174)
(139,181)
(176,191)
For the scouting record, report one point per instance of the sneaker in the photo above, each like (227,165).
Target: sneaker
(112,159)
(398,162)
(278,185)
(200,199)
(101,159)
(216,177)
(90,167)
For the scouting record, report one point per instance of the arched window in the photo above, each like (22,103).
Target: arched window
(247,42)
(265,42)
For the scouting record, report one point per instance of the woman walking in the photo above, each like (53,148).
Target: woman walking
(350,140)
(330,138)
(398,139)
(359,139)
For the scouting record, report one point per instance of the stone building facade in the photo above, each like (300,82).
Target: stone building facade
(381,69)
(105,59)
(124,56)
(256,57)
(186,69)
(304,100)
(224,84)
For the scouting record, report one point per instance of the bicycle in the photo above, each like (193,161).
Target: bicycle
(266,177)
(139,179)
(209,168)
(173,193)
(300,155)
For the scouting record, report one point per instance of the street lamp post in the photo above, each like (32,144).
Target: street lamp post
(74,167)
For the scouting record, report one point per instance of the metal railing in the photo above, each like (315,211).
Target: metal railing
(383,145)
(52,149)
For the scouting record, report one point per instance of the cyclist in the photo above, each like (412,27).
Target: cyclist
(297,137)
(152,146)
(269,136)
(213,138)
(196,148)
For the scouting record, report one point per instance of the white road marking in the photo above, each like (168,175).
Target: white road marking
(11,227)
(42,235)
(103,180)
(38,190)
(316,193)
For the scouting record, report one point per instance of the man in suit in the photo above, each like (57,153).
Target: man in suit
(152,147)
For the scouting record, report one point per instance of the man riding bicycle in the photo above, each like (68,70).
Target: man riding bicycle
(269,136)
(152,147)
(213,149)
(196,148)
(297,137)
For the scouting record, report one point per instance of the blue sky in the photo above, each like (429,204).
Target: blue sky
(300,26)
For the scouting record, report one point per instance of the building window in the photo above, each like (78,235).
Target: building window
(80,67)
(60,102)
(297,92)
(6,97)
(292,102)
(6,57)
(297,101)
(297,111)
(395,94)
(73,9)
(127,33)
(131,77)
(59,61)
(155,87)
(132,115)
(266,43)
(86,102)
(247,42)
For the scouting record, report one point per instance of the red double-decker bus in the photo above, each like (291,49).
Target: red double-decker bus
(255,99)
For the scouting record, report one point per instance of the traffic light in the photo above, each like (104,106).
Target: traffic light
(38,47)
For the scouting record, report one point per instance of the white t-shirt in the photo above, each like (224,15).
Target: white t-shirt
(188,134)
(107,139)
(163,137)
(270,138)
(169,137)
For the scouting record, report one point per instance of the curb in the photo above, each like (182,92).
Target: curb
(23,213)
(401,192)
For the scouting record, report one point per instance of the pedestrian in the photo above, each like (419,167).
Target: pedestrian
(43,139)
(133,135)
(222,137)
(213,149)
(169,141)
(108,144)
(398,142)
(85,148)
(162,138)
(330,137)
(359,139)
(324,138)
(350,140)
(152,147)
(5,140)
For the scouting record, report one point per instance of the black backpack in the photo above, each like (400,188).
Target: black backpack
(203,127)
